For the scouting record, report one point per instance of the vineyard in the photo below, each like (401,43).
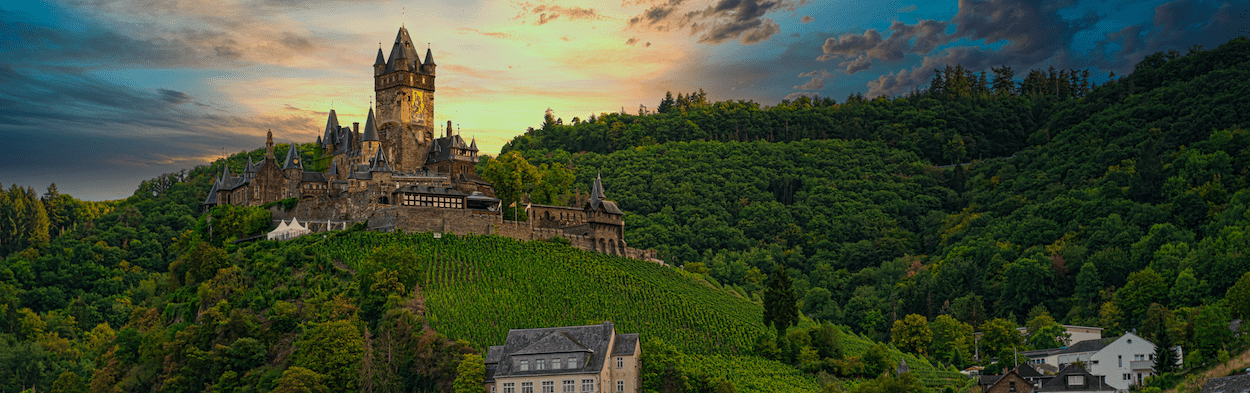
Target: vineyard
(478,287)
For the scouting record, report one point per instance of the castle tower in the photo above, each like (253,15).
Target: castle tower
(269,146)
(404,88)
(294,171)
(370,141)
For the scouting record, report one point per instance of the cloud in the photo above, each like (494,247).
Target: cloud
(904,39)
(816,83)
(547,13)
(724,21)
(907,9)
(174,97)
(861,63)
(795,96)
(807,19)
(631,41)
(1032,30)
(1175,25)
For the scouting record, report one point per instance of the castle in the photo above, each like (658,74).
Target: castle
(397,175)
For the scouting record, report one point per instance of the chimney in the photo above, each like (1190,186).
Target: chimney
(356,126)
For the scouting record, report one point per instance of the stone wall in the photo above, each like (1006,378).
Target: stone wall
(362,206)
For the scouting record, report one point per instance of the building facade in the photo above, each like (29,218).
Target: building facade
(592,358)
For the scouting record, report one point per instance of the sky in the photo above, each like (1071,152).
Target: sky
(98,95)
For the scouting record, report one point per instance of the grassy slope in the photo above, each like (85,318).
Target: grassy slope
(478,287)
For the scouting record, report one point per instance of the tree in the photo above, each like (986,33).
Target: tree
(1044,332)
(1186,291)
(1143,288)
(1211,328)
(780,304)
(470,374)
(333,350)
(1239,297)
(999,334)
(300,380)
(1165,354)
(952,339)
(1028,283)
(912,334)
(1088,282)
(68,382)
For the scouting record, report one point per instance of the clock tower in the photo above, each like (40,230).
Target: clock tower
(404,89)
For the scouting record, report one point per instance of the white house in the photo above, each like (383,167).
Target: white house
(1126,361)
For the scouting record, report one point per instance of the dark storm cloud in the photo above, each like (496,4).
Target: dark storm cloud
(972,58)
(727,20)
(1032,30)
(1174,26)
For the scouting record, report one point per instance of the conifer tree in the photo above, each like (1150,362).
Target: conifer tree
(780,308)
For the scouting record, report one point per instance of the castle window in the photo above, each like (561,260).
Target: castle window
(620,362)
(620,386)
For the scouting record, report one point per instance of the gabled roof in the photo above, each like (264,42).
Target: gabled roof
(554,342)
(1090,382)
(378,163)
(1087,346)
(334,168)
(371,130)
(625,344)
(250,166)
(596,339)
(598,199)
(292,159)
(1027,371)
(443,150)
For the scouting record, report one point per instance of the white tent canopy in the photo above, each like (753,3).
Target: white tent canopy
(287,232)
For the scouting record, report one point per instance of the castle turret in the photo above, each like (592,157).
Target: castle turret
(379,65)
(294,172)
(370,140)
(269,146)
(428,66)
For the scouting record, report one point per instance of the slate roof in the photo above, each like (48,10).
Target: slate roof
(1060,382)
(403,49)
(1231,384)
(317,177)
(292,159)
(332,128)
(442,150)
(1087,346)
(334,168)
(371,130)
(378,163)
(554,342)
(597,198)
(380,60)
(429,57)
(1027,371)
(417,189)
(625,344)
(594,338)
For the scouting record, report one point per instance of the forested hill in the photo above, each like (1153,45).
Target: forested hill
(1124,206)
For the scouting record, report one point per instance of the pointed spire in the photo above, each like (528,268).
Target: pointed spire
(596,190)
(371,130)
(334,169)
(332,122)
(381,60)
(292,159)
(250,166)
(429,57)
(225,174)
(473,146)
(319,144)
(379,163)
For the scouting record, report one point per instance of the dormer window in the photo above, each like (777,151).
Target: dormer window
(525,365)
(538,364)
(1076,380)
(555,364)
(572,362)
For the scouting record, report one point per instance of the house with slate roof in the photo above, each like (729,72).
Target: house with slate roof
(1073,379)
(1125,360)
(592,358)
